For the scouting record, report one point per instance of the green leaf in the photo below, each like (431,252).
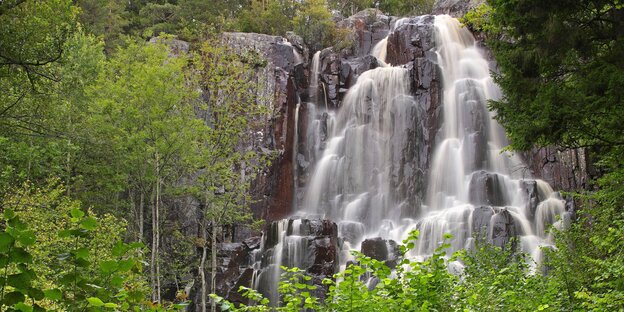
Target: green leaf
(36,293)
(126,265)
(27,238)
(82,253)
(77,213)
(13,298)
(89,224)
(53,294)
(17,224)
(119,249)
(9,214)
(19,255)
(23,307)
(64,233)
(95,302)
(110,305)
(6,240)
(108,266)
(81,262)
(20,281)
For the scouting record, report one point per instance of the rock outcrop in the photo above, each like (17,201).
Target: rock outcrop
(312,245)
(278,85)
(564,169)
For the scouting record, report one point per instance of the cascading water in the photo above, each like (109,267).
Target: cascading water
(368,180)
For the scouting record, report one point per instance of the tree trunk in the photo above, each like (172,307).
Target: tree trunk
(202,266)
(153,259)
(158,227)
(141,216)
(213,268)
(68,169)
(155,265)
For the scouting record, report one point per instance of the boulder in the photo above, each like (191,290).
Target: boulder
(381,250)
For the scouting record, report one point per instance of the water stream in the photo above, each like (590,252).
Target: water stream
(365,171)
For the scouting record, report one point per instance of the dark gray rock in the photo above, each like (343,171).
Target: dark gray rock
(375,248)
(487,189)
(529,189)
(503,228)
(369,26)
(481,218)
(411,40)
(381,250)
(564,169)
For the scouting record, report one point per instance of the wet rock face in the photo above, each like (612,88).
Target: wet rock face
(370,26)
(481,217)
(234,262)
(566,170)
(412,39)
(529,188)
(381,250)
(278,85)
(413,44)
(309,244)
(503,228)
(493,224)
(487,188)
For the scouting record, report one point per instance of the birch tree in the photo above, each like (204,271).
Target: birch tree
(227,153)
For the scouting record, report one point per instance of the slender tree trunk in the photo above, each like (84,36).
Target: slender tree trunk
(153,259)
(155,264)
(202,265)
(141,216)
(158,227)
(213,268)
(68,169)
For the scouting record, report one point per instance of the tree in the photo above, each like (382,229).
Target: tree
(314,24)
(561,70)
(226,153)
(272,17)
(32,39)
(104,18)
(406,8)
(561,65)
(350,7)
(145,102)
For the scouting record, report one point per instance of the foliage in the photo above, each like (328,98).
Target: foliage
(227,159)
(274,17)
(589,262)
(59,257)
(314,24)
(104,18)
(478,19)
(350,7)
(499,279)
(561,72)
(406,7)
(561,65)
(414,286)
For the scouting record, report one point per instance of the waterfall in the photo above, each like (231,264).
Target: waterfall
(366,176)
